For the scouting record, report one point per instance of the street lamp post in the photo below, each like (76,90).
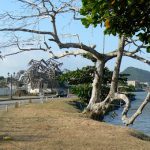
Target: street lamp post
(11,82)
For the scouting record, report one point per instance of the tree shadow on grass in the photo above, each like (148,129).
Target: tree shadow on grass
(77,104)
(22,138)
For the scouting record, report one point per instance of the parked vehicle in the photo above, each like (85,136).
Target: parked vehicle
(61,94)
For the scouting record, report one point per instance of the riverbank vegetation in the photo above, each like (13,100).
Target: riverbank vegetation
(80,83)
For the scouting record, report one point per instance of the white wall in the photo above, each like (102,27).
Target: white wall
(6,91)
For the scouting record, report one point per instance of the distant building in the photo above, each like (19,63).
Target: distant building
(139,85)
(47,89)
(7,90)
(136,84)
(4,91)
(145,85)
(133,83)
(38,89)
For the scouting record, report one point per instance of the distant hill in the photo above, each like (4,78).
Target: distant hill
(137,74)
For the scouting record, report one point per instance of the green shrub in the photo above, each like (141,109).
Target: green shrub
(83,91)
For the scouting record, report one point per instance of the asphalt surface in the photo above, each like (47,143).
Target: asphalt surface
(24,98)
(11,103)
(5,102)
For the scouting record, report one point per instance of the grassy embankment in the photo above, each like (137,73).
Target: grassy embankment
(58,125)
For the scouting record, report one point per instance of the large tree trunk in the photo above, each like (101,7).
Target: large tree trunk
(99,109)
(115,76)
(97,84)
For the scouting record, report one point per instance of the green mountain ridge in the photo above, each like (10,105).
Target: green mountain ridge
(137,74)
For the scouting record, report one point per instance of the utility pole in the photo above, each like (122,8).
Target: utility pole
(11,87)
(11,83)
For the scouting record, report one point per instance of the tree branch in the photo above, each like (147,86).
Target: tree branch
(67,53)
(23,50)
(27,30)
(129,54)
(127,121)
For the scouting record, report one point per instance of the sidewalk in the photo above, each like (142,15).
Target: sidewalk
(25,98)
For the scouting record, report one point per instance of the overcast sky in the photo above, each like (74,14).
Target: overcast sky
(89,36)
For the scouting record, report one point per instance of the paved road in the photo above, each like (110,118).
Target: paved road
(11,103)
(5,102)
(24,100)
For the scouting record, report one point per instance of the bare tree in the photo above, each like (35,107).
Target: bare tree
(40,73)
(48,11)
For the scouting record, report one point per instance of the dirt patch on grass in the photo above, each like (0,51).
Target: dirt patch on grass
(57,125)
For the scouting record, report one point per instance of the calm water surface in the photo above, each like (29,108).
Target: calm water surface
(142,123)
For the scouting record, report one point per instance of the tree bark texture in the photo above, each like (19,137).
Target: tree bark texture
(115,76)
(127,121)
(99,109)
(97,84)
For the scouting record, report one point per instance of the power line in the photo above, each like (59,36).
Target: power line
(103,43)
